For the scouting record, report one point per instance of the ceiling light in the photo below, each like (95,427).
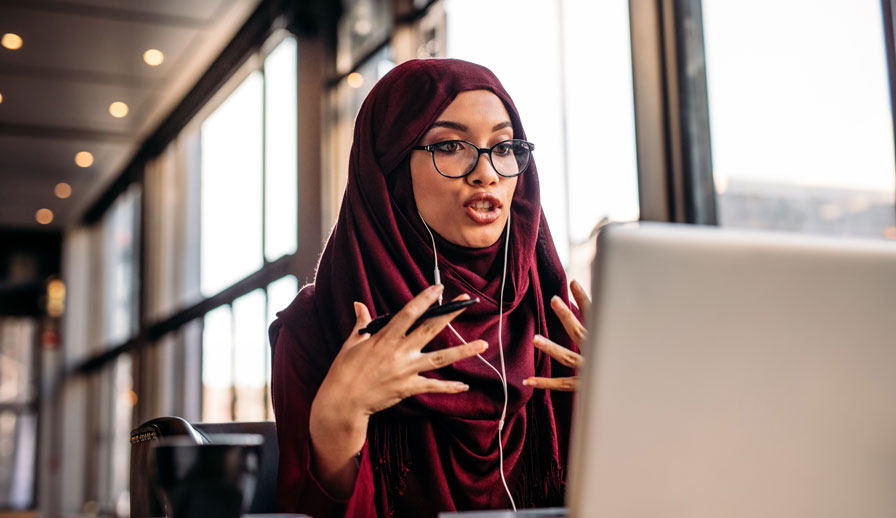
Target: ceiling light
(355,80)
(153,57)
(11,41)
(84,159)
(118,109)
(44,216)
(62,190)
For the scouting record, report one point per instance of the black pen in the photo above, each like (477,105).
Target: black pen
(380,322)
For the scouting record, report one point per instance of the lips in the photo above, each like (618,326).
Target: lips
(483,208)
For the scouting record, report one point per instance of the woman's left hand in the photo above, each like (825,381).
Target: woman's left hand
(576,332)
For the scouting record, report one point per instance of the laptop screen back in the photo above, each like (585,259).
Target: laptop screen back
(738,374)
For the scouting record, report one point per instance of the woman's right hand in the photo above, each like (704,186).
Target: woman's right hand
(372,373)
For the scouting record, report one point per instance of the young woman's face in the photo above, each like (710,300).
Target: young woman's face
(470,211)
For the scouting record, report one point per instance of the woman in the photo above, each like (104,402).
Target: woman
(405,422)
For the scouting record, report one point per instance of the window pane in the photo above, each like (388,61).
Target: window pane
(250,379)
(600,115)
(171,198)
(109,419)
(570,77)
(217,365)
(363,25)
(17,342)
(120,268)
(345,101)
(530,27)
(18,436)
(281,141)
(802,132)
(280,294)
(600,125)
(122,422)
(231,188)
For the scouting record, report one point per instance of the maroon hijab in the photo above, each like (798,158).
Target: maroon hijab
(439,451)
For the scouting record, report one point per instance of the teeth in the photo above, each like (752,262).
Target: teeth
(481,206)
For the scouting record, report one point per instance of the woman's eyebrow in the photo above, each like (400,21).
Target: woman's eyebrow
(462,127)
(450,124)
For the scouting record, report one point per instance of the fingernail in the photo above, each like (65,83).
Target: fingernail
(435,288)
(528,383)
(462,386)
(556,298)
(483,346)
(357,309)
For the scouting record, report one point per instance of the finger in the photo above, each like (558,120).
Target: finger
(362,318)
(564,384)
(423,385)
(574,328)
(438,359)
(581,298)
(398,326)
(430,327)
(558,352)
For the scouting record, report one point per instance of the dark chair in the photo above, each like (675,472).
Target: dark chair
(145,503)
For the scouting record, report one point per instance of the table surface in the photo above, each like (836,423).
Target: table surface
(275,515)
(548,512)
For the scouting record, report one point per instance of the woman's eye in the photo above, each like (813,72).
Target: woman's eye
(450,146)
(504,148)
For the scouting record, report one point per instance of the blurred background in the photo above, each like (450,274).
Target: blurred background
(169,172)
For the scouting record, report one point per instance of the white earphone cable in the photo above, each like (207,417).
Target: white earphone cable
(502,374)
(503,369)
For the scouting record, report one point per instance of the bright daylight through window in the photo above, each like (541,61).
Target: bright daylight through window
(802,134)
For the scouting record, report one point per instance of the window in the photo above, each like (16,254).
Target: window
(185,332)
(344,103)
(120,268)
(364,24)
(235,354)
(802,135)
(18,418)
(570,76)
(280,148)
(249,159)
(600,151)
(249,213)
(217,365)
(280,294)
(113,398)
(235,375)
(232,163)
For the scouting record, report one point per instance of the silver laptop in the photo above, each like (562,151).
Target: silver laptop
(737,374)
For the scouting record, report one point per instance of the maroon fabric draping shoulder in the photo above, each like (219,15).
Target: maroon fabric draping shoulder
(430,453)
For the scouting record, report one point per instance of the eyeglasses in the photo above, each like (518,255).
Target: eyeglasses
(458,158)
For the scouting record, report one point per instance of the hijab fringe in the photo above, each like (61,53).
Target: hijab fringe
(541,479)
(392,464)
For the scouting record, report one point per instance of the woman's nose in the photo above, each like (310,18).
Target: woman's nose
(483,173)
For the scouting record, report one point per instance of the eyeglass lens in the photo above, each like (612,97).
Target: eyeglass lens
(457,158)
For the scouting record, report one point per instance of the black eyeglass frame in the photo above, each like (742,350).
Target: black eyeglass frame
(479,152)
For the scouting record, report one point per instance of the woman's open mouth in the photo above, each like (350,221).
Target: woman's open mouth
(483,208)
